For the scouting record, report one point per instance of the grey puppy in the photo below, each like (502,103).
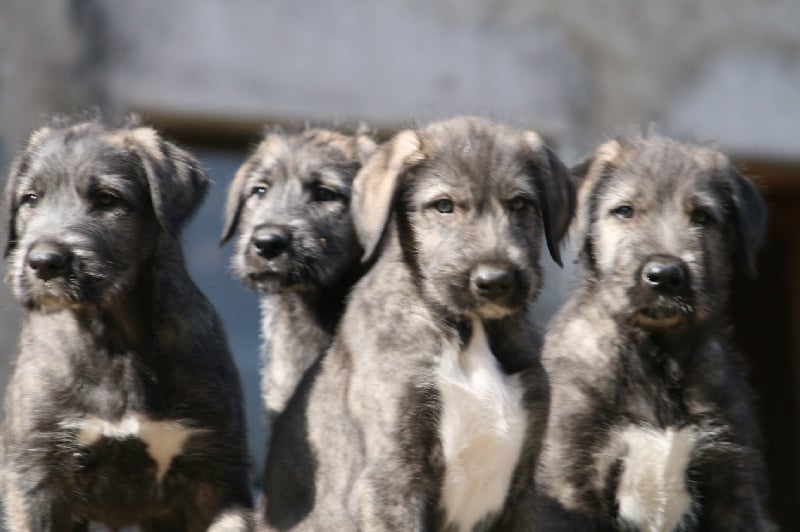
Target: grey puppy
(651,426)
(290,202)
(124,406)
(428,410)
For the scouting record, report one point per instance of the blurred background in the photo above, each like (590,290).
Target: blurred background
(212,73)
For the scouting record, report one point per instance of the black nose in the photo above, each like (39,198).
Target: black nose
(492,282)
(48,261)
(666,273)
(269,244)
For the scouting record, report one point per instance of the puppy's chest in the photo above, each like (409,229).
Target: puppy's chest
(652,490)
(132,447)
(482,428)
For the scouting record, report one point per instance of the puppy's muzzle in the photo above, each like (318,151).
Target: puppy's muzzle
(271,242)
(665,274)
(48,260)
(493,282)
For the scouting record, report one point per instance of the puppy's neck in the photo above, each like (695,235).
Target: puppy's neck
(514,340)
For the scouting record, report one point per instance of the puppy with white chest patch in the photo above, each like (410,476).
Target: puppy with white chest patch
(428,410)
(124,406)
(651,426)
(290,203)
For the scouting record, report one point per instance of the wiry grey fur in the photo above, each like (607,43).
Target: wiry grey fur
(359,447)
(651,424)
(119,352)
(296,188)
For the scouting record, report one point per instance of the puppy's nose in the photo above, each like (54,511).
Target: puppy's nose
(492,282)
(665,273)
(48,261)
(270,244)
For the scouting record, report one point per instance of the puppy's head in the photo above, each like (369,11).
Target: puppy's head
(471,200)
(290,203)
(85,205)
(660,223)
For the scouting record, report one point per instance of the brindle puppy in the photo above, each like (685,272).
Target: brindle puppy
(428,410)
(124,406)
(651,426)
(290,202)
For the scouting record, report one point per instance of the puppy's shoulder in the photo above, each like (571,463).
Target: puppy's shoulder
(580,336)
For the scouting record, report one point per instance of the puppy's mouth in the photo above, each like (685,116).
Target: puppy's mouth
(273,279)
(664,313)
(53,294)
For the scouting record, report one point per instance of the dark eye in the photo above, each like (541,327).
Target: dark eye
(444,206)
(519,203)
(623,211)
(260,191)
(105,200)
(30,200)
(320,193)
(700,217)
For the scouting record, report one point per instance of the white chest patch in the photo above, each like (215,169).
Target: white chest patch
(482,429)
(164,439)
(652,490)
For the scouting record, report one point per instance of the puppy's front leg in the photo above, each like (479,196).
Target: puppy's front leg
(723,473)
(385,503)
(31,508)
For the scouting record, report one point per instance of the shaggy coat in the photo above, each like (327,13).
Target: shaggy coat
(651,425)
(290,203)
(124,405)
(428,410)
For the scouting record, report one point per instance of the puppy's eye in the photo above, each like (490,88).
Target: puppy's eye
(700,217)
(444,206)
(623,211)
(104,200)
(260,191)
(321,193)
(30,200)
(519,203)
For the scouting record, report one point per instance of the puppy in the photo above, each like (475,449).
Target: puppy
(290,202)
(124,406)
(428,410)
(651,426)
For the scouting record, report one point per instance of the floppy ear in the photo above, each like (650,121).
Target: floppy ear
(177,182)
(584,177)
(19,167)
(750,219)
(234,202)
(375,184)
(556,191)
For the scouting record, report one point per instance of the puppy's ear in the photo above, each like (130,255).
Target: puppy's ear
(234,202)
(19,167)
(556,191)
(584,177)
(365,147)
(750,219)
(178,184)
(375,184)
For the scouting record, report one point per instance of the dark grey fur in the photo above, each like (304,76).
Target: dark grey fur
(358,446)
(642,348)
(115,329)
(290,202)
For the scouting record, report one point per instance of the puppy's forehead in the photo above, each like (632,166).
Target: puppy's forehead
(79,155)
(282,156)
(656,170)
(484,161)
